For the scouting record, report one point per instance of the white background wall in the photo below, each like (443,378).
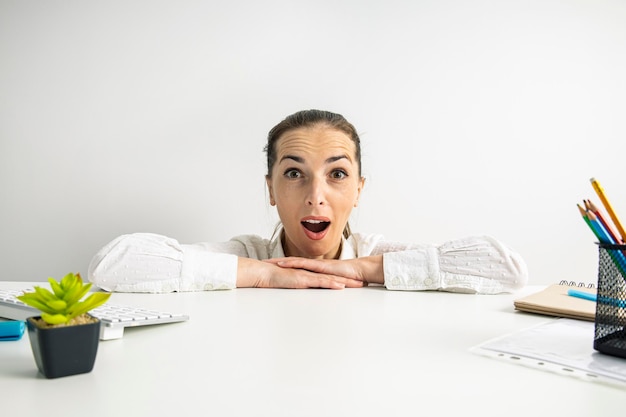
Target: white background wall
(476,117)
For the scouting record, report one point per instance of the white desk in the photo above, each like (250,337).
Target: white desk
(257,352)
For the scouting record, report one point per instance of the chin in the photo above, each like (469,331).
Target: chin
(319,252)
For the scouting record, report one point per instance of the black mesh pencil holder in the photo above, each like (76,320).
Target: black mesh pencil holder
(610,321)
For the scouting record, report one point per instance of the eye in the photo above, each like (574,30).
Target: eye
(338,174)
(292,173)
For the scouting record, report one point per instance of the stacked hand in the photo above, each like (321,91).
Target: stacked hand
(295,272)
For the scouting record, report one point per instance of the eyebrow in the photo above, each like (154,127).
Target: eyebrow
(301,160)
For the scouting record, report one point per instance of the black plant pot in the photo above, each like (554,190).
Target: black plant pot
(63,351)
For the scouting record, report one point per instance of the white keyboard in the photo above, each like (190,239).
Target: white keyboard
(113,318)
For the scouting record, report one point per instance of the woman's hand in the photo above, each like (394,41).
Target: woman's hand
(261,274)
(365,270)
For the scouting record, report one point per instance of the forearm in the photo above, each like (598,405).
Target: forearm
(152,263)
(473,265)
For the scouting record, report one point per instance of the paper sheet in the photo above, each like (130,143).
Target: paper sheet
(564,346)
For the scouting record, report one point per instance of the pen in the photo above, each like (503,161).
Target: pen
(593,297)
(600,191)
(582,294)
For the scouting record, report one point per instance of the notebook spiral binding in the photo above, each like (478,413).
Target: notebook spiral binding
(577,284)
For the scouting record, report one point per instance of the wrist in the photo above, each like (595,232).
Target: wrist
(371,269)
(251,272)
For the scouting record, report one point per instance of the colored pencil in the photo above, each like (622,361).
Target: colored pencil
(583,213)
(596,231)
(594,209)
(601,233)
(609,209)
(618,257)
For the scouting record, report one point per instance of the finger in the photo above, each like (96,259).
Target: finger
(331,285)
(273,260)
(353,283)
(349,282)
(312,265)
(285,259)
(301,264)
(315,282)
(341,284)
(290,262)
(332,281)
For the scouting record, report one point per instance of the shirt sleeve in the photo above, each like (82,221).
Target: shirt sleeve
(472,265)
(144,262)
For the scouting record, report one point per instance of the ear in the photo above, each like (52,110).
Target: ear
(359,189)
(268,181)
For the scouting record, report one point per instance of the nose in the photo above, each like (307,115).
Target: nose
(315,195)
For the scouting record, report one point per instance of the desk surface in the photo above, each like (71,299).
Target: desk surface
(261,352)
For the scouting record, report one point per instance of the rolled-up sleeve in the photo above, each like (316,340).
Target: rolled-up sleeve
(471,265)
(145,262)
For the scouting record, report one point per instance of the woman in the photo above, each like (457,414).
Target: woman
(314,180)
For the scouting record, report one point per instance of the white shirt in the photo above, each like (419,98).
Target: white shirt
(144,262)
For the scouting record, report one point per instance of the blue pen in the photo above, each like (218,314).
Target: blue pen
(582,294)
(592,297)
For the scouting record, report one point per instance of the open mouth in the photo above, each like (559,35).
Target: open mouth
(315,226)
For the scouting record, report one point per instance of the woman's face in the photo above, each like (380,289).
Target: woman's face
(315,183)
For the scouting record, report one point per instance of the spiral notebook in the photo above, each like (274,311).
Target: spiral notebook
(554,301)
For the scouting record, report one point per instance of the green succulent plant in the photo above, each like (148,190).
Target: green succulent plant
(63,303)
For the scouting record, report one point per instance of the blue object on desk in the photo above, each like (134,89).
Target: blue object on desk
(593,297)
(582,294)
(11,330)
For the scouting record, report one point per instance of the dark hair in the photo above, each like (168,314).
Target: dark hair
(308,118)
